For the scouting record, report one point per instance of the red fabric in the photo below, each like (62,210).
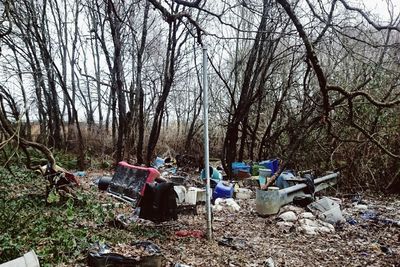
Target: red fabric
(190,233)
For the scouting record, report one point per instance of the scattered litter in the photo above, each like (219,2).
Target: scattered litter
(104,182)
(214,174)
(158,162)
(190,233)
(142,253)
(327,210)
(129,181)
(58,176)
(234,243)
(80,173)
(196,195)
(369,215)
(351,221)
(178,180)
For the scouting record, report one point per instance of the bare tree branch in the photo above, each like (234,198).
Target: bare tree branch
(368,19)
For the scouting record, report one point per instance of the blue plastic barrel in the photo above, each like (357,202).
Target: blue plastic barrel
(223,190)
(272,164)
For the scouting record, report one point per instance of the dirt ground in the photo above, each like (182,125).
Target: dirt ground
(255,240)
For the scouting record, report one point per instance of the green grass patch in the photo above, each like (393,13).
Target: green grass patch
(59,232)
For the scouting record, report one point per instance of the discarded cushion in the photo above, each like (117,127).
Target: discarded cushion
(158,203)
(129,181)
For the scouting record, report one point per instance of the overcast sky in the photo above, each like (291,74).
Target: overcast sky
(379,7)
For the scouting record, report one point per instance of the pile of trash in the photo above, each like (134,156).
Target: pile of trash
(148,189)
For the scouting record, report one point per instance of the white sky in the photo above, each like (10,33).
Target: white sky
(378,7)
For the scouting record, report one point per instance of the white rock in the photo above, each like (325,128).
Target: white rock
(269,262)
(308,230)
(288,216)
(295,209)
(323,229)
(308,222)
(226,204)
(233,206)
(327,225)
(285,226)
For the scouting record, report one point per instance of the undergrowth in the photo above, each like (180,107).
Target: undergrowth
(58,232)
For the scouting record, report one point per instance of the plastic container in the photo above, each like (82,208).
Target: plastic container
(223,190)
(104,182)
(240,166)
(195,195)
(191,196)
(214,174)
(272,164)
(201,195)
(180,191)
(264,173)
(158,162)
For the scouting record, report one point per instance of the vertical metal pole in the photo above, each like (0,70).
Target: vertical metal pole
(206,149)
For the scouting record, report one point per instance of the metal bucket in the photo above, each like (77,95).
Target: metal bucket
(267,202)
